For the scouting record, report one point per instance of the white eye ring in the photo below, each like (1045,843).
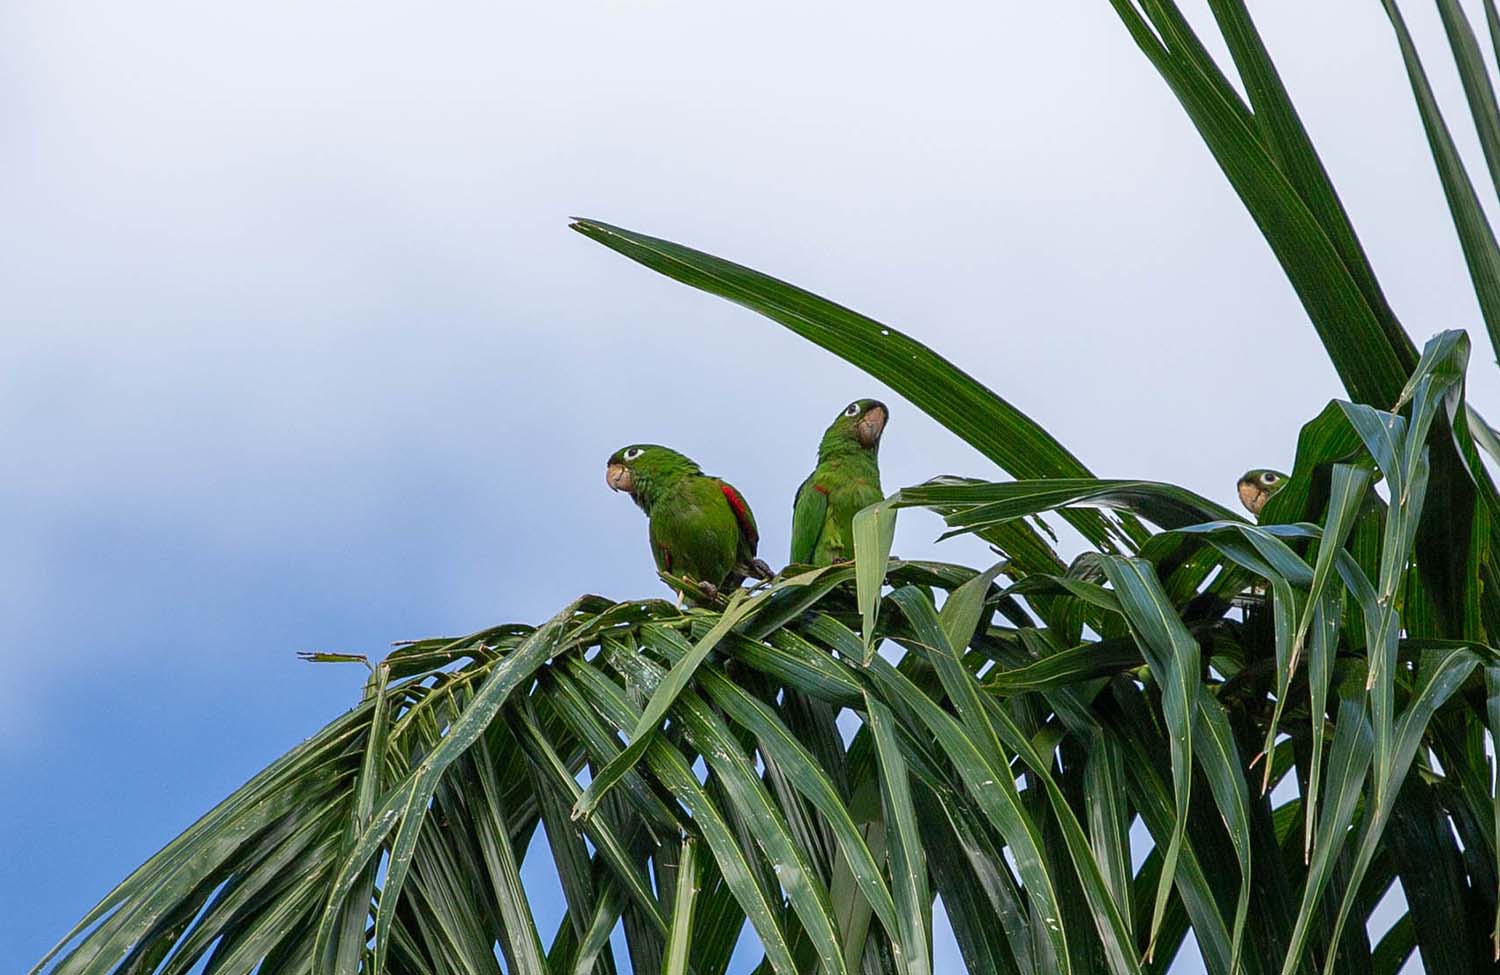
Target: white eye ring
(1269,478)
(853,410)
(632,453)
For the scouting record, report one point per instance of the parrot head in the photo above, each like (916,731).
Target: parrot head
(1257,486)
(861,422)
(641,468)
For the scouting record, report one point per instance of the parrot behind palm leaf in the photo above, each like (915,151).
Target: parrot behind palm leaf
(1257,486)
(846,479)
(701,528)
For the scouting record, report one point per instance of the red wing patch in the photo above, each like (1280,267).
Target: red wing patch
(741,513)
(821,489)
(666,558)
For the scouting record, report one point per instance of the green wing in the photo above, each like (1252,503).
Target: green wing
(808,513)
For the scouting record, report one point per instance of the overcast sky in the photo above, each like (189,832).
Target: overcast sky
(299,353)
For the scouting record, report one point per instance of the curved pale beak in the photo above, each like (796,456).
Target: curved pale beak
(618,477)
(871,425)
(1252,496)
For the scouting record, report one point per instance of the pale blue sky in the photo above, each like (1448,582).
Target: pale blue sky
(298,352)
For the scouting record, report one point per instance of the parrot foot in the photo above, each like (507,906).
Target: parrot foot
(709,589)
(760,570)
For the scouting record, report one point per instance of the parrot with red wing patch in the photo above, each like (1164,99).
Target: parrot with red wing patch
(846,479)
(700,526)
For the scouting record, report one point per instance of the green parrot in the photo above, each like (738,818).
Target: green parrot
(701,527)
(846,479)
(1257,486)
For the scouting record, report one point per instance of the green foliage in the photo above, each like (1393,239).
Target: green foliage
(1297,714)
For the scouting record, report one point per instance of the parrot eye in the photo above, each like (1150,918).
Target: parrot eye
(853,410)
(632,453)
(1269,478)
